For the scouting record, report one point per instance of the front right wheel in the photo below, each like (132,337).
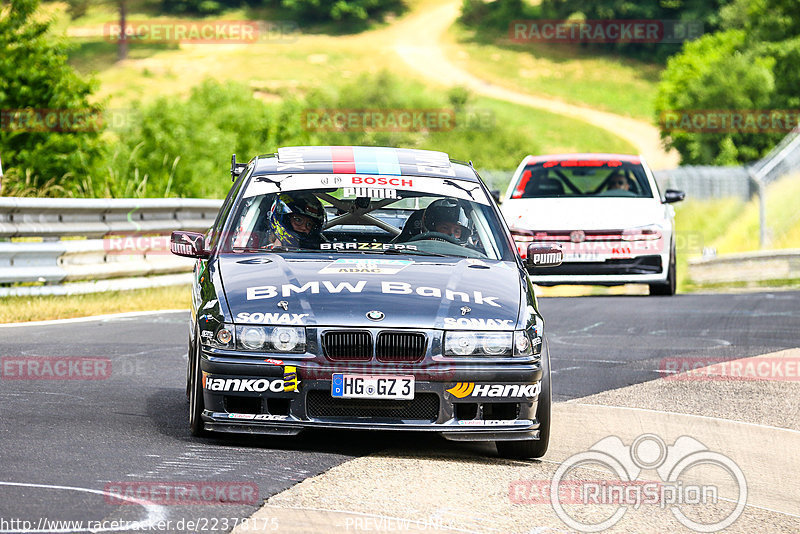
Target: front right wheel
(534,448)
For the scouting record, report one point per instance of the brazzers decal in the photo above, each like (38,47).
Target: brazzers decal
(393,288)
(471,389)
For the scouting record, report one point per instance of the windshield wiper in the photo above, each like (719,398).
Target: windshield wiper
(412,251)
(279,248)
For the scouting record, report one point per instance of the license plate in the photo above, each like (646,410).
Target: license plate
(372,387)
(568,258)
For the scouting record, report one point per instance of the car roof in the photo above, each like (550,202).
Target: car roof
(585,156)
(363,160)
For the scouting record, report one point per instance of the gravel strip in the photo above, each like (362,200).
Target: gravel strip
(444,487)
(706,392)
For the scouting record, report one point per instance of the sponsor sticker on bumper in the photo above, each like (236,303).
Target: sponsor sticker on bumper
(471,390)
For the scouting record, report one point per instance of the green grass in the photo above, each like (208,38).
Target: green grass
(783,221)
(619,85)
(731,226)
(18,309)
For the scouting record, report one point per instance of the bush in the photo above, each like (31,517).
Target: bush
(717,72)
(754,64)
(35,75)
(348,11)
(181,148)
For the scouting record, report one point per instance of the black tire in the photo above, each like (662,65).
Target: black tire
(196,402)
(534,448)
(667,289)
(189,368)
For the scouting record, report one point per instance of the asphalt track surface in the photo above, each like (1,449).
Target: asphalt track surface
(63,442)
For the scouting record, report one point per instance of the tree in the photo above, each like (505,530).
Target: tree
(36,79)
(753,64)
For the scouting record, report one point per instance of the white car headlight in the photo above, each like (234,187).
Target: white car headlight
(285,339)
(642,233)
(271,338)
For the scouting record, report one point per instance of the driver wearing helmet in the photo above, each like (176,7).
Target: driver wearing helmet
(296,220)
(447,216)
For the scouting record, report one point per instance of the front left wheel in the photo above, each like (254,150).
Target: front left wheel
(534,448)
(669,287)
(196,403)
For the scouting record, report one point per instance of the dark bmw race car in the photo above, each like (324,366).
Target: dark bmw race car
(366,288)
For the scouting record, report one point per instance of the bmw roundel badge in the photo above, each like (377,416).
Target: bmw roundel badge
(375,315)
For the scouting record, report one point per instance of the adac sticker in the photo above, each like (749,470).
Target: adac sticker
(365,266)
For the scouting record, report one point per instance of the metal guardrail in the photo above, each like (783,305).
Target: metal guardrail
(704,182)
(59,217)
(134,244)
(746,267)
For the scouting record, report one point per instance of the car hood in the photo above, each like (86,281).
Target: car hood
(411,292)
(582,213)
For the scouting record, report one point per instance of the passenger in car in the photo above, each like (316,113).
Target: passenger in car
(447,216)
(618,180)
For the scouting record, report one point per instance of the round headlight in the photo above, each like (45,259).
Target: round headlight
(284,339)
(495,344)
(521,342)
(462,343)
(224,336)
(253,338)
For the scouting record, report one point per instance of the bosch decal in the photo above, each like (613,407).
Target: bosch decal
(382,180)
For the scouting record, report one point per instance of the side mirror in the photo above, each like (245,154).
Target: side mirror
(189,244)
(673,195)
(495,195)
(543,256)
(236,168)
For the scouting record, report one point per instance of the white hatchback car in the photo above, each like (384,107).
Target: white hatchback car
(606,212)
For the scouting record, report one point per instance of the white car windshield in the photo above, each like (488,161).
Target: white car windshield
(366,214)
(582,178)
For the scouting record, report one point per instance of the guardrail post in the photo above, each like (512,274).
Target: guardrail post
(762,209)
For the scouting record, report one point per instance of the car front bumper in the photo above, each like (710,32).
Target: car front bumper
(433,409)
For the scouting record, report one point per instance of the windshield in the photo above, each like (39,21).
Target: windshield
(366,214)
(582,178)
